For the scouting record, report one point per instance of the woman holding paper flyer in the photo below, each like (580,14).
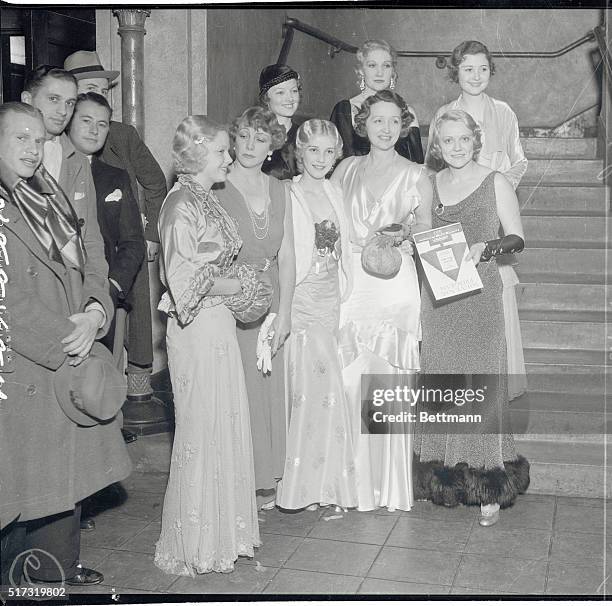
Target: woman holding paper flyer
(464,335)
(380,322)
(471,67)
(258,202)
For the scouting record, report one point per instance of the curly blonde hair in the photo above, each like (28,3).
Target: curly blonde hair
(435,160)
(371,45)
(262,119)
(188,153)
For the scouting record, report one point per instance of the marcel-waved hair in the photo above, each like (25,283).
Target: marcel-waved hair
(259,119)
(312,128)
(435,159)
(387,96)
(188,151)
(18,108)
(468,47)
(371,45)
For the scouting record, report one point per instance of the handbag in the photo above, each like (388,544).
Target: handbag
(380,256)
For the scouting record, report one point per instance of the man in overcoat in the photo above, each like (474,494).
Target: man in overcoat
(54,304)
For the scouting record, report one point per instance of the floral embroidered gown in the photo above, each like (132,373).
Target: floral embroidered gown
(210,515)
(319,467)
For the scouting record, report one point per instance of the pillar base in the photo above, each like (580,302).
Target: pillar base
(147,415)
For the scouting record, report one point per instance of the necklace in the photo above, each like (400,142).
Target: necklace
(259,221)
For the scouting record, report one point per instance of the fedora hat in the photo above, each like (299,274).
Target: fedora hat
(91,392)
(86,64)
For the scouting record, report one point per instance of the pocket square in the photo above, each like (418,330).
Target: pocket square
(79,195)
(114,196)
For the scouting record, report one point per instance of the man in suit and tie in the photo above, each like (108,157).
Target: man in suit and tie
(118,213)
(125,149)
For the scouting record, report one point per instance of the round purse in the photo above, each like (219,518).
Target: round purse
(380,256)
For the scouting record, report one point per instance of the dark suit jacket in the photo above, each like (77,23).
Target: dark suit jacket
(125,149)
(120,223)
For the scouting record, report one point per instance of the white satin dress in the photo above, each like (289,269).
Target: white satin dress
(380,333)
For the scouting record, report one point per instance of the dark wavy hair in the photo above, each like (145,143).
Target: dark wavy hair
(36,78)
(387,96)
(435,160)
(259,118)
(468,47)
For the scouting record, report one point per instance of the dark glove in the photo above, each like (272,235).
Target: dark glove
(501,246)
(119,298)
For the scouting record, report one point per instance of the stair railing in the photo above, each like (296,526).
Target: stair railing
(337,45)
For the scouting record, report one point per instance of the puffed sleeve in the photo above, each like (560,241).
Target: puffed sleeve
(515,150)
(186,270)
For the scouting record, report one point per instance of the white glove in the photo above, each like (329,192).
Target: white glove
(264,351)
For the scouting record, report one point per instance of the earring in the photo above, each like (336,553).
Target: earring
(392,83)
(361,82)
(269,155)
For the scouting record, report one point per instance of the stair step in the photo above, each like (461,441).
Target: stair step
(568,378)
(564,200)
(557,147)
(568,232)
(563,266)
(563,335)
(549,401)
(566,468)
(564,171)
(562,302)
(545,355)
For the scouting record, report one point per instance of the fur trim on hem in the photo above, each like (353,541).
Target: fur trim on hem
(451,486)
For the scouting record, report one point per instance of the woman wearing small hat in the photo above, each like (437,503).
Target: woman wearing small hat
(279,91)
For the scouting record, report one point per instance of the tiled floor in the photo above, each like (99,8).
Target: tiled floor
(543,545)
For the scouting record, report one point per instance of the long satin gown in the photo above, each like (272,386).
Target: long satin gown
(209,516)
(380,333)
(502,151)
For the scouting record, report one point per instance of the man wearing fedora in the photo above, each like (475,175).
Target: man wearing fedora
(59,439)
(125,149)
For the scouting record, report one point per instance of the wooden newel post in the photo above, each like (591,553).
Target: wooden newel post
(132,32)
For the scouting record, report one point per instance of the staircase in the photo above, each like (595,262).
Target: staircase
(561,425)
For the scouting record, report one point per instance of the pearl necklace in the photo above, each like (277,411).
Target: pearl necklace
(259,221)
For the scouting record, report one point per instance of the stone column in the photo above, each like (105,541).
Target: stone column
(142,412)
(132,32)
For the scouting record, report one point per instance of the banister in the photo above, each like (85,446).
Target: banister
(338,45)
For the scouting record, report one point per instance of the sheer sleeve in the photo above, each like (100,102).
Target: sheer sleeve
(518,161)
(187,257)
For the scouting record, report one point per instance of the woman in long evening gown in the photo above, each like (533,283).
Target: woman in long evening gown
(376,66)
(465,335)
(380,321)
(471,67)
(319,467)
(259,205)
(209,516)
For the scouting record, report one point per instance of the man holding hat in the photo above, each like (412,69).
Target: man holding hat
(59,439)
(125,149)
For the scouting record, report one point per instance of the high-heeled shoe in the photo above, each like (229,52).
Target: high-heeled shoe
(489,515)
(269,506)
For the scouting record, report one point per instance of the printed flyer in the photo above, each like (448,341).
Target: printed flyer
(442,252)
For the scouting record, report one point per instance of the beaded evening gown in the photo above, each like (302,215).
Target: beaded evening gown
(380,332)
(261,240)
(502,151)
(465,336)
(210,514)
